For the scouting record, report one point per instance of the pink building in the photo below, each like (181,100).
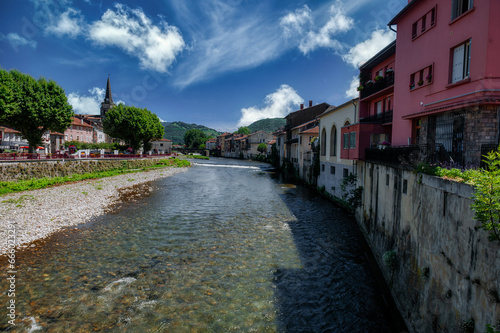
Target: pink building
(373,124)
(79,130)
(447,87)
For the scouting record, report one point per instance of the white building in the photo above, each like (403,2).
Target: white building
(333,169)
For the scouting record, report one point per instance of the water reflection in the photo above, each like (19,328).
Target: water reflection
(222,247)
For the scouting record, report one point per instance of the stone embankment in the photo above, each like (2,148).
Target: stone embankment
(37,214)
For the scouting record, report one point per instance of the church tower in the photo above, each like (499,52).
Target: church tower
(108,101)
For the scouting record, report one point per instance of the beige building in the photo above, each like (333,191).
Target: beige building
(161,146)
(333,168)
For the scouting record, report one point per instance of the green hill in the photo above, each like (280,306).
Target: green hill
(267,125)
(175,131)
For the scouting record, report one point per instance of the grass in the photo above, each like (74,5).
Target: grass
(460,175)
(39,183)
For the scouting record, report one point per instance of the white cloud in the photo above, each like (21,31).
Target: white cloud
(226,38)
(337,23)
(132,31)
(363,51)
(293,23)
(302,26)
(68,23)
(87,104)
(353,92)
(278,105)
(16,40)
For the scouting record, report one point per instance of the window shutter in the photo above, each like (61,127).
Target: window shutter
(458,64)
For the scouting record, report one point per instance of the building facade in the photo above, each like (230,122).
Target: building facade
(333,167)
(447,85)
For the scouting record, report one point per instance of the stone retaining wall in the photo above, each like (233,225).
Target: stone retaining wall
(447,273)
(38,169)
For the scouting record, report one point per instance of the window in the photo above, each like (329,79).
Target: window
(424,22)
(322,168)
(459,7)
(386,179)
(332,170)
(378,108)
(461,62)
(323,143)
(352,140)
(346,141)
(346,173)
(333,141)
(414,30)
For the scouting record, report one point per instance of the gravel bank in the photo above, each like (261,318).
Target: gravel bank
(37,214)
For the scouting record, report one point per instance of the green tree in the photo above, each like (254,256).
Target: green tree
(486,197)
(194,138)
(243,130)
(133,125)
(262,148)
(33,106)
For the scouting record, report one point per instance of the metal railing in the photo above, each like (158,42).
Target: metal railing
(377,86)
(384,117)
(410,155)
(42,157)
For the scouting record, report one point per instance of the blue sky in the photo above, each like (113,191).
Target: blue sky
(219,63)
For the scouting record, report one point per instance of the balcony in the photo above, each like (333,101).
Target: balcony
(379,118)
(375,87)
(410,155)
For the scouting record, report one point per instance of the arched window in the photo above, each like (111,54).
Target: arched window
(322,143)
(333,141)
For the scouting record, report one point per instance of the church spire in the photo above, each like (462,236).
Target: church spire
(108,100)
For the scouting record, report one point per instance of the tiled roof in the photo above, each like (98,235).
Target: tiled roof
(314,130)
(78,122)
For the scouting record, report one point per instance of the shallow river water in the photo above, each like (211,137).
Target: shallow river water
(223,247)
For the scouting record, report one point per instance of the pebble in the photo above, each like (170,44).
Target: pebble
(39,213)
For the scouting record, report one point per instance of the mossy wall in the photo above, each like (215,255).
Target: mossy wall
(39,169)
(446,273)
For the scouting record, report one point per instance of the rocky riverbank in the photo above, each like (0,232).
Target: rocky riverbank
(37,214)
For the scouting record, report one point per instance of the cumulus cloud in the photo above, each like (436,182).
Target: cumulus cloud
(301,26)
(278,105)
(68,23)
(353,92)
(16,40)
(156,46)
(363,51)
(87,104)
(294,23)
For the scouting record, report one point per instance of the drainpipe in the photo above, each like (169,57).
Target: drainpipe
(390,27)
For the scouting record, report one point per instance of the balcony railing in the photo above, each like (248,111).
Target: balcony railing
(376,86)
(410,155)
(384,117)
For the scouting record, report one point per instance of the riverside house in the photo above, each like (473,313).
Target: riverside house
(447,87)
(333,168)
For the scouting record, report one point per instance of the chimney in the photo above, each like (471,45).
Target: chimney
(301,106)
(310,103)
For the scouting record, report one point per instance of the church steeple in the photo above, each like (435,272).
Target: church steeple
(108,100)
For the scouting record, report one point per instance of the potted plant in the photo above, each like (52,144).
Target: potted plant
(412,85)
(360,88)
(429,78)
(378,78)
(421,82)
(383,145)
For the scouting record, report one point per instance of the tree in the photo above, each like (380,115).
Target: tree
(33,106)
(194,138)
(486,203)
(243,130)
(133,125)
(262,148)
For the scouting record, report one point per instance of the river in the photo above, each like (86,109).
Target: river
(223,247)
